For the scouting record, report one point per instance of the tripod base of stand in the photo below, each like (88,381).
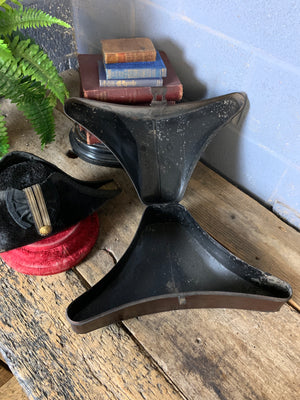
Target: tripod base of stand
(172,264)
(97,153)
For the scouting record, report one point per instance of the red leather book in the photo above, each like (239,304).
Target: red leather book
(172,89)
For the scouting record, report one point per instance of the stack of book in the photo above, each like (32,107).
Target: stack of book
(128,71)
(130,63)
(129,81)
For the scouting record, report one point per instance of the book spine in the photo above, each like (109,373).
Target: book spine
(135,73)
(112,58)
(133,95)
(131,82)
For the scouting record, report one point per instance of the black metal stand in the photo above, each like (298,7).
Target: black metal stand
(172,263)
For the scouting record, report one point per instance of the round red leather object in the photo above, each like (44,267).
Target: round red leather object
(57,253)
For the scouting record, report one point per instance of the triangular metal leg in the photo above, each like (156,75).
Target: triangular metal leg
(172,263)
(158,146)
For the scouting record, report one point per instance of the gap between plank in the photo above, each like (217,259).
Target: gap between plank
(142,349)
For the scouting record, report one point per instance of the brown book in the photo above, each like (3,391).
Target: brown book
(128,50)
(171,90)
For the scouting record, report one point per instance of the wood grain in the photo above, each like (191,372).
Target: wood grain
(52,362)
(5,374)
(226,354)
(218,354)
(244,226)
(12,391)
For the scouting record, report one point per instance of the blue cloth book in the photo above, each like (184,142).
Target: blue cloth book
(103,82)
(137,70)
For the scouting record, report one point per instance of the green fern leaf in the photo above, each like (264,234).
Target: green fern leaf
(30,98)
(10,80)
(8,6)
(17,88)
(40,115)
(18,3)
(4,5)
(27,75)
(5,53)
(34,62)
(4,146)
(14,19)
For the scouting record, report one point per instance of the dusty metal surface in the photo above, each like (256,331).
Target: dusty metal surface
(172,263)
(158,146)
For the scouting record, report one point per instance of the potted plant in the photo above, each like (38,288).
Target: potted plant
(27,76)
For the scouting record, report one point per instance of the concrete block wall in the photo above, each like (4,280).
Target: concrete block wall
(218,47)
(57,41)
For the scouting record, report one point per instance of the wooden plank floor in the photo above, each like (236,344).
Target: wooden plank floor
(9,386)
(194,354)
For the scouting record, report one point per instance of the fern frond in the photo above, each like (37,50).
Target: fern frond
(18,3)
(30,98)
(40,115)
(4,5)
(5,53)
(1,3)
(15,87)
(14,19)
(27,75)
(4,146)
(34,62)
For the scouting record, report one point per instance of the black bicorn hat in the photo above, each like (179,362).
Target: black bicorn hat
(37,199)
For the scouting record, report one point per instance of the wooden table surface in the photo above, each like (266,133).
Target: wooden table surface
(193,354)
